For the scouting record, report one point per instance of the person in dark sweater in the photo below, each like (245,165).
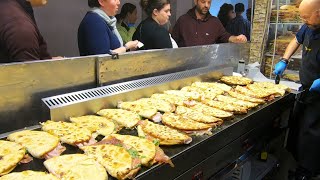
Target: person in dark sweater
(151,31)
(98,34)
(20,38)
(199,27)
(239,25)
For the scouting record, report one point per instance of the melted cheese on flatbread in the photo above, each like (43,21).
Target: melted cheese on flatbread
(210,111)
(204,93)
(236,80)
(185,94)
(183,123)
(256,94)
(197,116)
(236,102)
(29,175)
(166,135)
(11,154)
(267,87)
(98,124)
(173,99)
(142,109)
(123,117)
(245,98)
(159,104)
(76,166)
(68,133)
(213,85)
(116,160)
(226,106)
(38,143)
(146,149)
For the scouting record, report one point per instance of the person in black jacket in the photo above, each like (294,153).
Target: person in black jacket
(151,31)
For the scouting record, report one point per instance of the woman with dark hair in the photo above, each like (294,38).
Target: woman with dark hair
(126,20)
(226,14)
(151,31)
(98,34)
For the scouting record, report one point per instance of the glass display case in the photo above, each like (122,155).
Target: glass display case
(284,23)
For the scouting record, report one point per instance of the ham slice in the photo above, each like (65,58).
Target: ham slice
(26,159)
(199,133)
(55,152)
(157,117)
(190,103)
(88,143)
(161,157)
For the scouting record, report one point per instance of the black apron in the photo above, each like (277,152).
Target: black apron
(304,137)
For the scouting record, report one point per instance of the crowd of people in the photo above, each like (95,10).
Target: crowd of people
(105,31)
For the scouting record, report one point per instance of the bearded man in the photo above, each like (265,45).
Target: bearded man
(199,27)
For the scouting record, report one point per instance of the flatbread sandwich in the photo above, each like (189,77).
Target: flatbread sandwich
(69,133)
(38,143)
(122,117)
(165,135)
(76,166)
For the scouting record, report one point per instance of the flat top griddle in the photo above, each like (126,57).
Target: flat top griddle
(171,151)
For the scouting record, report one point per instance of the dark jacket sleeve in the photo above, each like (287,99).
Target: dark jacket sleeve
(176,33)
(94,35)
(223,34)
(21,40)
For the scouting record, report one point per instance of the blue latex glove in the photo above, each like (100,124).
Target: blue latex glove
(315,86)
(279,68)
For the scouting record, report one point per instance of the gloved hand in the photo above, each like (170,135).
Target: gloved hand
(315,86)
(279,68)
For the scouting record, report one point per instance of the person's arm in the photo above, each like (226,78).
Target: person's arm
(131,45)
(291,49)
(238,39)
(21,40)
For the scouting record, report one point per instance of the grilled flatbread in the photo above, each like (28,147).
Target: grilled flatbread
(11,154)
(204,93)
(236,102)
(38,143)
(198,116)
(96,124)
(143,110)
(123,117)
(225,106)
(68,133)
(185,94)
(268,87)
(245,98)
(255,94)
(29,175)
(146,149)
(213,85)
(184,124)
(159,104)
(173,99)
(210,111)
(76,166)
(116,160)
(166,135)
(236,80)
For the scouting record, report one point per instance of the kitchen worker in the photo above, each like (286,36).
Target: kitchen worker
(199,27)
(20,38)
(306,132)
